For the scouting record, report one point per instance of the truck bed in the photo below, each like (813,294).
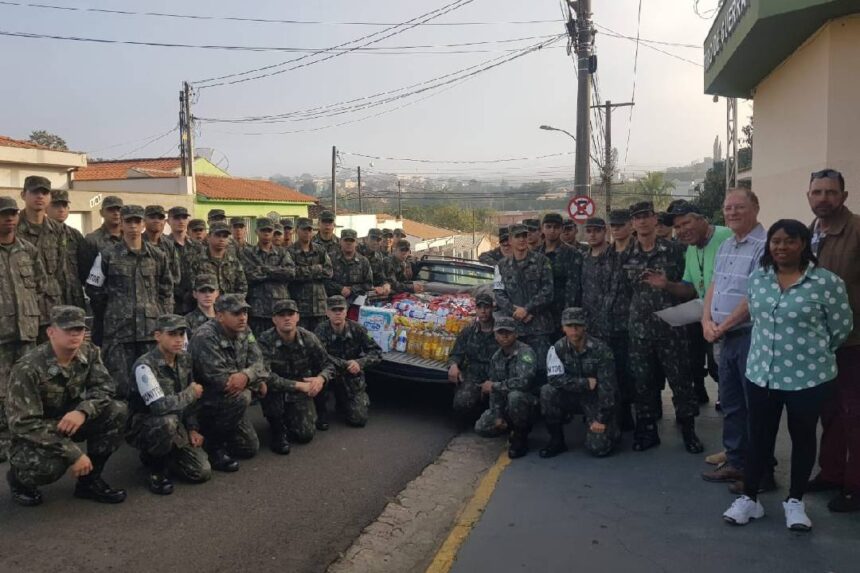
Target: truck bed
(413,368)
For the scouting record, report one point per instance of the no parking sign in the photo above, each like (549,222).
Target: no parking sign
(580,208)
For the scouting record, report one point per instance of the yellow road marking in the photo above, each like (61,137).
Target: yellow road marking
(468,518)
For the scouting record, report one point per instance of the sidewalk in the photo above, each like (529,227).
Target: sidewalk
(644,512)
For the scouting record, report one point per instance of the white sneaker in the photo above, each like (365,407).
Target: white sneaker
(742,510)
(795,515)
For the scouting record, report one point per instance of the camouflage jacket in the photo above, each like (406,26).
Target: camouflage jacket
(596,277)
(21,278)
(228,271)
(75,271)
(472,352)
(133,290)
(183,302)
(616,301)
(491,257)
(646,300)
(354,343)
(195,319)
(161,389)
(569,370)
(41,392)
(268,275)
(529,284)
(354,273)
(377,267)
(514,371)
(96,242)
(313,268)
(395,271)
(331,247)
(47,239)
(291,362)
(174,261)
(216,356)
(566,264)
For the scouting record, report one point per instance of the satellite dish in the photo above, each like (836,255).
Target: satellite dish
(371,163)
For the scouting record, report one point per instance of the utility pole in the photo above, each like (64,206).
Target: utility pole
(582,32)
(186,131)
(399,201)
(359,189)
(333,188)
(731,142)
(607,157)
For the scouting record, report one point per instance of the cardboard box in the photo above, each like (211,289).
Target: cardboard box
(376,319)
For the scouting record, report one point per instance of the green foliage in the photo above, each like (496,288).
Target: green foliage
(42,137)
(712,192)
(654,187)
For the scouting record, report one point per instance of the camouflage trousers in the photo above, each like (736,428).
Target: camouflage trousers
(540,344)
(620,346)
(555,402)
(516,408)
(647,355)
(351,397)
(224,422)
(166,437)
(10,352)
(296,412)
(35,466)
(469,402)
(118,358)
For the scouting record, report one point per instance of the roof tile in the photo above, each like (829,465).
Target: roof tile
(236,189)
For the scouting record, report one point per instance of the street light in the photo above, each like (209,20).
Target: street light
(551,128)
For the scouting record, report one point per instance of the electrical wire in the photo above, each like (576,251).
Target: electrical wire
(635,69)
(124,143)
(150,142)
(454,161)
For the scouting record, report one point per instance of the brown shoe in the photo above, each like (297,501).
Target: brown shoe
(723,473)
(716,459)
(768,483)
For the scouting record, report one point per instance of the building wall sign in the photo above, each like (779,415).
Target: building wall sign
(724,29)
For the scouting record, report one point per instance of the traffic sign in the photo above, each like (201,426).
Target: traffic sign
(580,208)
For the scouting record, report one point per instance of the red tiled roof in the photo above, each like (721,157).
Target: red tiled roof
(9,142)
(235,189)
(424,231)
(103,170)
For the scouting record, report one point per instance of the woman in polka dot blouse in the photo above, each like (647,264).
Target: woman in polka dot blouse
(800,316)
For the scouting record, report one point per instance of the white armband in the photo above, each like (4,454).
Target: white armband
(97,277)
(147,385)
(554,365)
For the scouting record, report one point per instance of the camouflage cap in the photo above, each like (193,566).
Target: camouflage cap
(205,281)
(402,245)
(553,218)
(197,225)
(335,301)
(265,223)
(237,221)
(131,212)
(387,233)
(531,224)
(67,317)
(287,222)
(231,303)
(595,222)
(327,216)
(641,207)
(348,235)
(304,223)
(214,214)
(665,219)
(568,223)
(278,228)
(573,315)
(112,201)
(177,212)
(619,216)
(59,196)
(170,323)
(517,229)
(484,298)
(216,227)
(680,208)
(398,232)
(154,210)
(505,323)
(374,234)
(504,233)
(285,305)
(8,204)
(35,182)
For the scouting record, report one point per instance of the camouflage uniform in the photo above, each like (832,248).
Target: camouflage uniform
(354,273)
(227,271)
(47,239)
(350,390)
(182,299)
(471,353)
(21,277)
(614,322)
(566,264)
(377,267)
(491,257)
(331,246)
(512,398)
(313,268)
(215,357)
(74,271)
(289,362)
(41,392)
(135,289)
(163,410)
(568,371)
(596,282)
(268,275)
(195,319)
(395,270)
(95,243)
(174,261)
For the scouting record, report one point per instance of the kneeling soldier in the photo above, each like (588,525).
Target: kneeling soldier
(163,410)
(469,360)
(61,393)
(298,369)
(352,352)
(580,372)
(513,368)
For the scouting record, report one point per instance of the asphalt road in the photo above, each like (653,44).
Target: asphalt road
(293,513)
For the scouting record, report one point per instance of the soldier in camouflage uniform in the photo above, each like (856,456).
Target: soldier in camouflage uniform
(287,224)
(511,387)
(524,288)
(387,246)
(469,360)
(535,238)
(580,375)
(131,283)
(653,342)
(21,279)
(325,238)
(351,272)
(313,268)
(163,410)
(108,234)
(371,249)
(596,274)
(268,269)
(298,368)
(72,244)
(492,257)
(59,394)
(205,294)
(278,235)
(566,264)
(226,361)
(218,261)
(352,352)
(154,220)
(239,233)
(178,218)
(568,232)
(399,271)
(197,232)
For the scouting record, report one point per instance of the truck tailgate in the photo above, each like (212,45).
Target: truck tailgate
(408,367)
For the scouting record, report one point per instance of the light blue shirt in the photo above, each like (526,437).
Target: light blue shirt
(735,262)
(796,331)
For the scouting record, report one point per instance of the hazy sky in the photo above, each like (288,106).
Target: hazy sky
(99,95)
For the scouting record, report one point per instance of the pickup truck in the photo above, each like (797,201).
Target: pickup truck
(440,275)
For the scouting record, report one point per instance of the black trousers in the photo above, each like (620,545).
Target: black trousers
(765,411)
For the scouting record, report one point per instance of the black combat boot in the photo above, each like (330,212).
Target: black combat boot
(278,440)
(92,486)
(159,482)
(645,436)
(322,415)
(221,461)
(518,446)
(691,440)
(556,443)
(28,496)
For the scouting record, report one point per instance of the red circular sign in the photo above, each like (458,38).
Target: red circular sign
(580,208)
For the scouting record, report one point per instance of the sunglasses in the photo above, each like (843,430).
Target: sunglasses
(825,174)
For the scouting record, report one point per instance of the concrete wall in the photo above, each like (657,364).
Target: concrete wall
(806,118)
(17,163)
(250,208)
(12,177)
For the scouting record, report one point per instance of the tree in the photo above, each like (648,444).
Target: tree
(42,137)
(711,193)
(452,216)
(745,153)
(654,187)
(309,188)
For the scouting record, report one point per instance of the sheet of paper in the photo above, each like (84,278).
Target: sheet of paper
(360,300)
(683,314)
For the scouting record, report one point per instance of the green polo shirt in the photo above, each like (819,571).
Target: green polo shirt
(699,261)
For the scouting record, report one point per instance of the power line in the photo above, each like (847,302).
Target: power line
(614,34)
(150,142)
(453,161)
(648,45)
(635,69)
(124,143)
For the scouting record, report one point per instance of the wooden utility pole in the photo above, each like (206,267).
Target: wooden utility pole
(333,188)
(359,189)
(399,201)
(607,157)
(582,32)
(186,131)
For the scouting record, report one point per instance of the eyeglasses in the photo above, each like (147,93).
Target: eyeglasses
(825,174)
